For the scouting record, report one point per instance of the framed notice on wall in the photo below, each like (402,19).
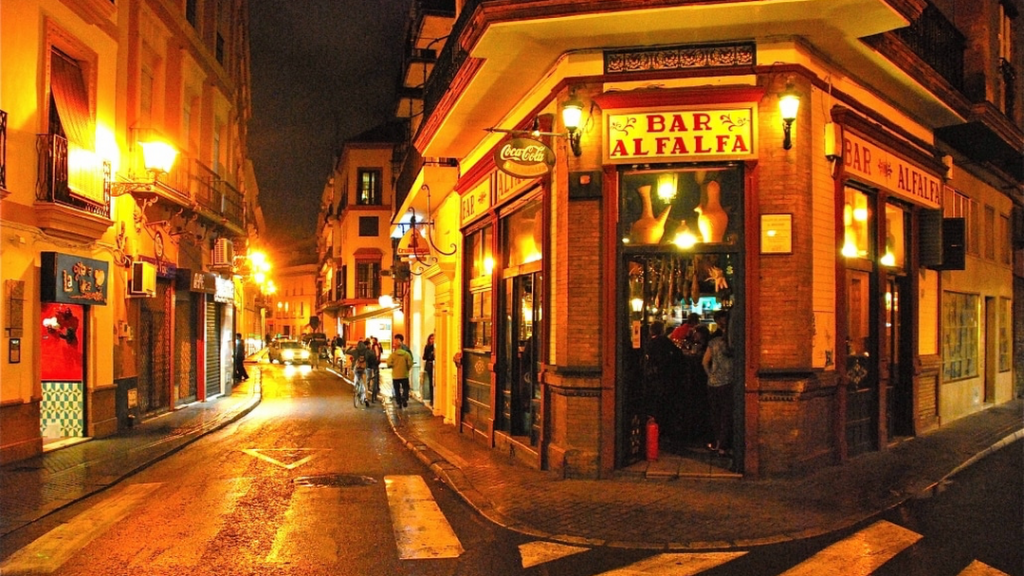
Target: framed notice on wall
(776,233)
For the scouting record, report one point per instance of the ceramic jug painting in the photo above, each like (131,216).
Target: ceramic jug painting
(713,219)
(648,229)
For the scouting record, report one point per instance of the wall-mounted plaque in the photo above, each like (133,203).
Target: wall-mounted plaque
(776,233)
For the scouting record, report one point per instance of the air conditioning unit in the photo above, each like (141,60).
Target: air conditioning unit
(223,253)
(143,280)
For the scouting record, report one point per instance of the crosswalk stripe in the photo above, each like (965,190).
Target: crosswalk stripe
(859,554)
(978,568)
(535,553)
(51,550)
(676,564)
(420,528)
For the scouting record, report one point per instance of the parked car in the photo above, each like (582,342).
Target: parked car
(288,352)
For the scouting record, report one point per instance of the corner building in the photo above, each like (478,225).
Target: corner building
(866,250)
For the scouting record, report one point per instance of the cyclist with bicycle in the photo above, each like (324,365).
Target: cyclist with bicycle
(360,364)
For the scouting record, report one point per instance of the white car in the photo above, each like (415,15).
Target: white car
(289,352)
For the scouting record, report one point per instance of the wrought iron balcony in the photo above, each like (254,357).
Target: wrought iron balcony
(216,195)
(935,41)
(53,185)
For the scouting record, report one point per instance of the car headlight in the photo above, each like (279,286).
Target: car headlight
(287,354)
(304,354)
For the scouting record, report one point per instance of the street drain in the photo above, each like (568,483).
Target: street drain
(335,480)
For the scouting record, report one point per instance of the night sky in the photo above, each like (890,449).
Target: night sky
(322,71)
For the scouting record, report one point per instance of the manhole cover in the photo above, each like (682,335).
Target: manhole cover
(335,480)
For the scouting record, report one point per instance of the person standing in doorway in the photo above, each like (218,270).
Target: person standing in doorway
(719,367)
(428,370)
(240,372)
(400,362)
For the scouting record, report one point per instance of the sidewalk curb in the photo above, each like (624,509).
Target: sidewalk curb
(456,479)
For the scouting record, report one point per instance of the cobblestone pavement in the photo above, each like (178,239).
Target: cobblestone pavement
(654,505)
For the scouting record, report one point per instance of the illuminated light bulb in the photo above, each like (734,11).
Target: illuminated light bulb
(849,249)
(685,239)
(488,265)
(636,304)
(860,214)
(888,260)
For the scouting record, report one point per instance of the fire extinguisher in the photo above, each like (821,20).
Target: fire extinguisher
(652,439)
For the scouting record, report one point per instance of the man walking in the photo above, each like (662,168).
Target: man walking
(400,362)
(240,372)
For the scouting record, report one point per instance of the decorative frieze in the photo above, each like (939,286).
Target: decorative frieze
(680,57)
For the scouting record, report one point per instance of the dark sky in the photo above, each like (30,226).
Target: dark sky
(322,71)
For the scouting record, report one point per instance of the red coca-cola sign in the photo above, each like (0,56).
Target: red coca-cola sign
(524,158)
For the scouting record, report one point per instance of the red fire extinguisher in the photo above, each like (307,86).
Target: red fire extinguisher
(652,439)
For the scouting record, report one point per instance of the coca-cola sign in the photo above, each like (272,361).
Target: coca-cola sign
(524,158)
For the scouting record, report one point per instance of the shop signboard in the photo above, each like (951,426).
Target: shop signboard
(681,134)
(72,279)
(524,158)
(475,202)
(872,164)
(198,281)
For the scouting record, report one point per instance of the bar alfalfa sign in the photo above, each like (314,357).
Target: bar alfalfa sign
(524,158)
(658,135)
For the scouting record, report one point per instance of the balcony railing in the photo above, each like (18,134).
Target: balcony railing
(448,63)
(938,42)
(52,183)
(3,150)
(215,194)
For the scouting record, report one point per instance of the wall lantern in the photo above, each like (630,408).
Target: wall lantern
(789,104)
(572,113)
(158,158)
(572,116)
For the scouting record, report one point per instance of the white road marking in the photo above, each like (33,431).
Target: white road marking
(283,453)
(534,553)
(678,564)
(977,568)
(51,550)
(420,528)
(860,554)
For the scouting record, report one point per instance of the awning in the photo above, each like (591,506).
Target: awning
(371,314)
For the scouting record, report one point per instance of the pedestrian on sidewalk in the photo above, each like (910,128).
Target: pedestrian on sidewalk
(428,370)
(240,372)
(373,367)
(400,362)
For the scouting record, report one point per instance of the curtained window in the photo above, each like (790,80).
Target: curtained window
(70,118)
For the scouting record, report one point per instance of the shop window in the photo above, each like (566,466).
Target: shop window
(1005,313)
(478,298)
(960,338)
(478,326)
(856,224)
(369,191)
(895,238)
(481,259)
(686,207)
(521,233)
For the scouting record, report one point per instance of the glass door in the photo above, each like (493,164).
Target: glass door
(520,389)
